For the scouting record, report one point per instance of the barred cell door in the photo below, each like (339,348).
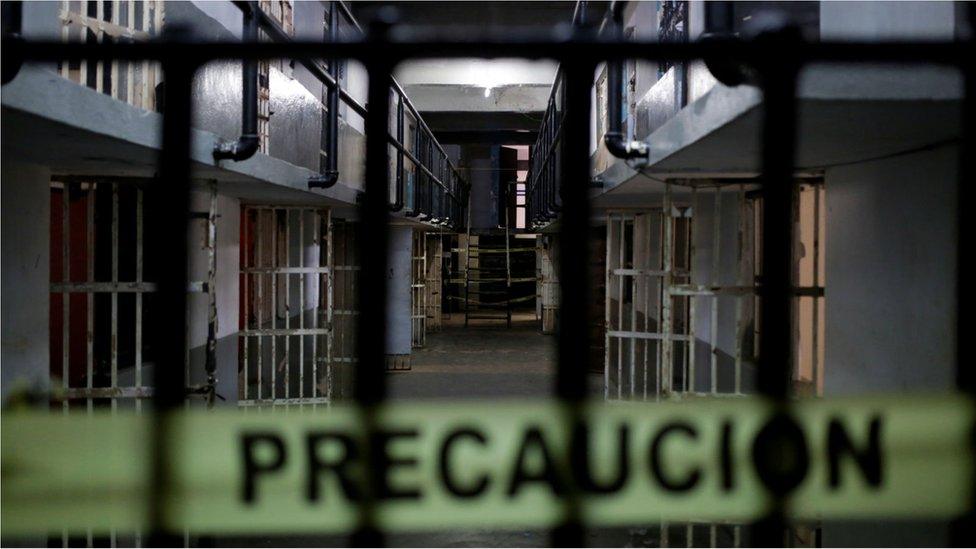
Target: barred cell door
(418,290)
(648,350)
(286,306)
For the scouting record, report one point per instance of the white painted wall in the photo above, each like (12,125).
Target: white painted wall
(727,272)
(26,197)
(890,269)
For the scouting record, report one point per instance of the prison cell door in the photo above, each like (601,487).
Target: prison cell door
(647,340)
(102,293)
(418,289)
(435,247)
(345,305)
(286,309)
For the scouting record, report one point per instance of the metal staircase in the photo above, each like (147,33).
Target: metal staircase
(490,288)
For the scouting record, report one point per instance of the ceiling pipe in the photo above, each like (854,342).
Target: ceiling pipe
(248,143)
(634,152)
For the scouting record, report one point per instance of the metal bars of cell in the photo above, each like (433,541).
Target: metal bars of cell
(108,21)
(776,58)
(102,295)
(701,250)
(418,290)
(287,284)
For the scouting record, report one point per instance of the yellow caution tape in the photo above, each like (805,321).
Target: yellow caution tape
(498,465)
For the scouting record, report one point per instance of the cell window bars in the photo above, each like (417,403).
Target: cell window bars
(776,59)
(132,81)
(102,295)
(286,320)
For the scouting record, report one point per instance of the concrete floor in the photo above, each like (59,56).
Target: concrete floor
(485,360)
(488,360)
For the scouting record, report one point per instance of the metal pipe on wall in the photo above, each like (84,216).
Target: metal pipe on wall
(615,140)
(331,175)
(248,143)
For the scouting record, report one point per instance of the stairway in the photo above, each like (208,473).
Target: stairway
(490,287)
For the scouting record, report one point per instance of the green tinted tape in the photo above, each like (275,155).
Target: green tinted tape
(496,465)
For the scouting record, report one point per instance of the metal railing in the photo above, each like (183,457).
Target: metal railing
(440,194)
(776,58)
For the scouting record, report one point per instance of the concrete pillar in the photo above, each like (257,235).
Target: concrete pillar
(26,213)
(398,297)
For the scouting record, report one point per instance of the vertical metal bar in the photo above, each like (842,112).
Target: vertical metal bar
(692,345)
(739,298)
(317,228)
(649,281)
(329,305)
(114,65)
(620,306)
(659,307)
(274,303)
(259,282)
(301,301)
(574,347)
(210,364)
(99,65)
(146,85)
(814,351)
(288,301)
(139,273)
(633,307)
(245,264)
(606,309)
(370,381)
(775,364)
(130,89)
(115,295)
(65,296)
(714,282)
(171,243)
(667,345)
(90,267)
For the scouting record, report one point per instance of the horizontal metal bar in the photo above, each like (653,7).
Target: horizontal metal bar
(286,270)
(648,335)
(78,393)
(522,46)
(710,291)
(118,287)
(638,272)
(283,401)
(707,291)
(283,332)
